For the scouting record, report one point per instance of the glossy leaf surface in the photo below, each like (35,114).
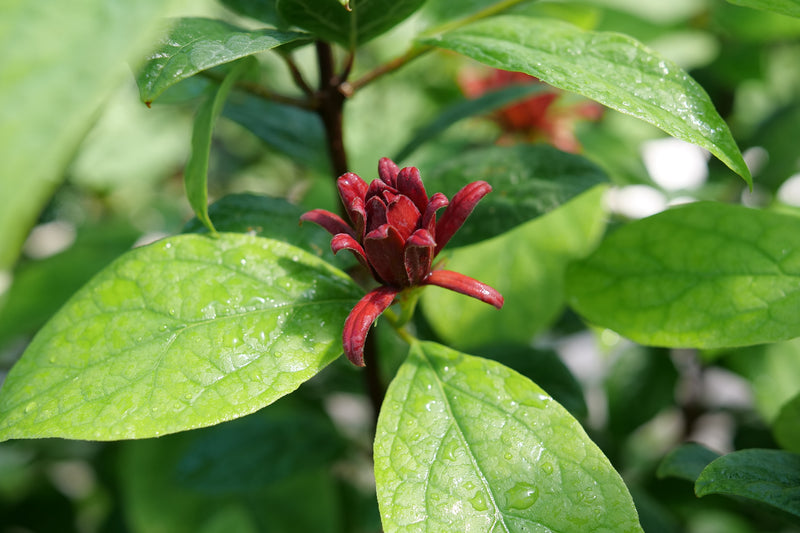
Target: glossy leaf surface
(187,332)
(785,7)
(467,444)
(527,182)
(702,275)
(527,265)
(610,68)
(786,427)
(331,21)
(195,44)
(766,476)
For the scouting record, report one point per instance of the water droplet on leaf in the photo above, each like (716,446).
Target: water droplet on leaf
(521,496)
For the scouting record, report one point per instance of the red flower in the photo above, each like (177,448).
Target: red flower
(395,235)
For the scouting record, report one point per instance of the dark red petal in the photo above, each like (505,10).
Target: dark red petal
(344,241)
(330,221)
(387,171)
(465,285)
(409,183)
(403,216)
(419,255)
(384,248)
(459,209)
(436,202)
(353,190)
(360,319)
(376,214)
(377,188)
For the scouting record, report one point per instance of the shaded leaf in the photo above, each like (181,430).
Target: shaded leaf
(466,444)
(527,182)
(263,10)
(787,425)
(196,171)
(610,68)
(187,332)
(192,45)
(60,63)
(686,462)
(766,476)
(527,265)
(464,109)
(330,20)
(785,7)
(702,275)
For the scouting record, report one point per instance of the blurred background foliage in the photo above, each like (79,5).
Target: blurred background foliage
(123,186)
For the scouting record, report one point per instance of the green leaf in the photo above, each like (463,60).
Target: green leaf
(786,427)
(527,181)
(785,7)
(703,275)
(195,175)
(527,266)
(295,132)
(464,109)
(330,20)
(187,332)
(263,10)
(192,45)
(60,63)
(766,476)
(610,68)
(686,462)
(466,444)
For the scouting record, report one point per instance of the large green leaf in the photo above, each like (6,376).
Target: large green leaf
(187,332)
(766,476)
(786,7)
(60,63)
(527,181)
(263,10)
(196,171)
(610,68)
(331,21)
(467,444)
(195,44)
(527,266)
(787,425)
(702,275)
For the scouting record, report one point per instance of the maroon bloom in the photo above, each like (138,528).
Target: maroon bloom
(395,234)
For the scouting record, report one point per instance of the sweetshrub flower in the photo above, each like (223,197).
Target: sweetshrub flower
(395,235)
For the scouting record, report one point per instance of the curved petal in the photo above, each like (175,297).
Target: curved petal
(376,214)
(459,209)
(360,319)
(409,183)
(418,256)
(330,221)
(387,171)
(437,201)
(402,215)
(384,248)
(343,241)
(378,188)
(465,285)
(353,190)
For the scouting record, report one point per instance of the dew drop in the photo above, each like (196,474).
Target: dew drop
(521,496)
(479,502)
(547,468)
(450,450)
(30,407)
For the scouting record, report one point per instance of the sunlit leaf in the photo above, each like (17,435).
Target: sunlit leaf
(686,462)
(467,444)
(785,7)
(192,45)
(527,265)
(787,425)
(610,68)
(527,182)
(187,332)
(702,275)
(766,476)
(196,171)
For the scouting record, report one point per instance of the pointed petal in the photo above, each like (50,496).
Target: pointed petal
(403,216)
(465,285)
(409,183)
(384,248)
(436,202)
(459,209)
(360,320)
(353,190)
(330,221)
(376,214)
(418,256)
(344,241)
(387,171)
